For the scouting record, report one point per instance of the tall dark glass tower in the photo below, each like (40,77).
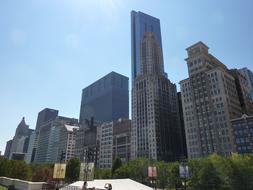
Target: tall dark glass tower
(44,116)
(155,114)
(140,24)
(106,99)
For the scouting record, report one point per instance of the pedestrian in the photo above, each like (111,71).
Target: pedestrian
(85,185)
(108,186)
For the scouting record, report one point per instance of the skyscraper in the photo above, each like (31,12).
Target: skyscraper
(155,115)
(21,139)
(51,139)
(114,142)
(249,77)
(210,100)
(8,149)
(86,142)
(44,116)
(140,24)
(105,100)
(243,90)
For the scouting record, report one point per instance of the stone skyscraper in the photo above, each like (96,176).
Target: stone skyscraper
(155,116)
(249,77)
(210,100)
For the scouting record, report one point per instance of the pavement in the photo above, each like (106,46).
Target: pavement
(117,184)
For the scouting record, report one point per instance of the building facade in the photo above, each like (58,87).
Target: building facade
(249,77)
(106,99)
(8,149)
(49,139)
(20,141)
(155,115)
(67,142)
(140,24)
(114,142)
(87,144)
(122,140)
(106,143)
(243,132)
(44,116)
(244,91)
(29,157)
(182,126)
(210,100)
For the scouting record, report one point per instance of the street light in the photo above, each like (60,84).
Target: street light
(87,169)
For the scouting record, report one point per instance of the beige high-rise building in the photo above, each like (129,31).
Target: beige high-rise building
(210,100)
(114,142)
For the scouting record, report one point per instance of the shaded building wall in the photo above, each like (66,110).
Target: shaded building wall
(44,116)
(7,149)
(181,116)
(86,141)
(243,133)
(122,140)
(249,77)
(244,91)
(155,119)
(106,99)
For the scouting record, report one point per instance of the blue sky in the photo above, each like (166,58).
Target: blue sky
(51,49)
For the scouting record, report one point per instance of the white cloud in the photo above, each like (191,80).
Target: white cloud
(18,37)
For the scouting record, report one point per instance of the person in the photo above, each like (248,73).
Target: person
(108,186)
(85,185)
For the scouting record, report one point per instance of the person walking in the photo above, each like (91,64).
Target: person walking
(85,185)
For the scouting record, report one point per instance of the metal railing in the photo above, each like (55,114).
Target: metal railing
(71,188)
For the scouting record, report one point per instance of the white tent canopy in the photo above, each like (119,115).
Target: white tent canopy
(117,184)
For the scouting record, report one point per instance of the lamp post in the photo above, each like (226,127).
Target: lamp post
(86,169)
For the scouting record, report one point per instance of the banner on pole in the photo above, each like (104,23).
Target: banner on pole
(152,171)
(86,170)
(59,171)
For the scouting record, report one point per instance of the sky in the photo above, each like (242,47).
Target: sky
(51,49)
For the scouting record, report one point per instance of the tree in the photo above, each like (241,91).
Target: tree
(4,167)
(42,172)
(174,178)
(20,170)
(117,163)
(162,174)
(138,170)
(72,169)
(102,173)
(240,172)
(205,175)
(209,173)
(122,172)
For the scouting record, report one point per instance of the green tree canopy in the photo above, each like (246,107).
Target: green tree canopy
(117,163)
(72,169)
